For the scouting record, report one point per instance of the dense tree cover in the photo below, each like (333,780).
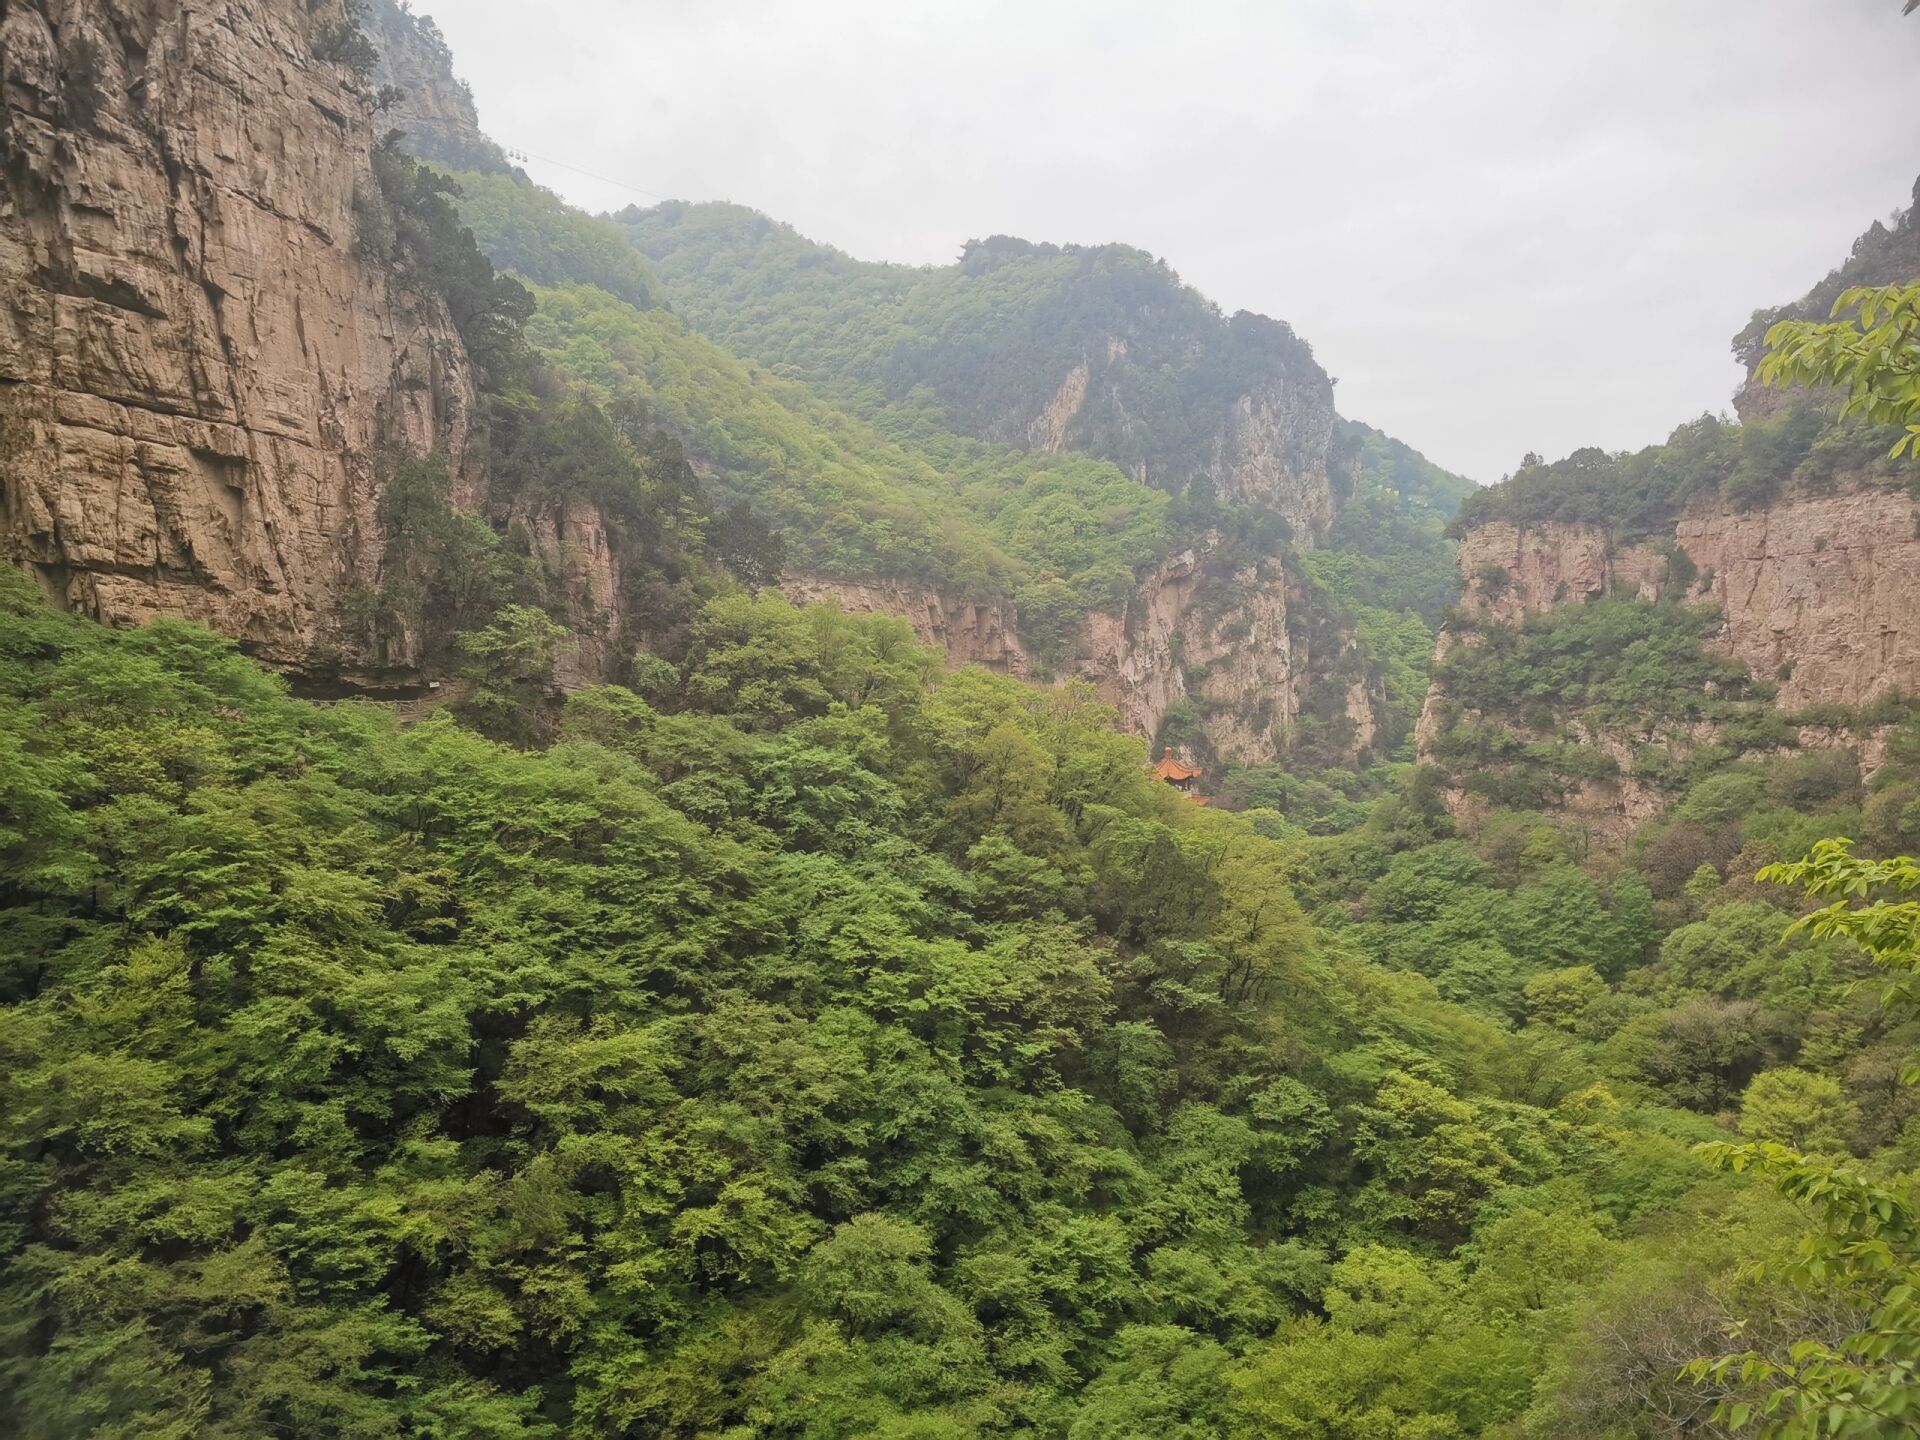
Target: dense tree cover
(804,1041)
(981,346)
(874,481)
(535,234)
(1060,534)
(1391,528)
(824,1046)
(1803,444)
(1521,713)
(1668,972)
(1866,1240)
(988,339)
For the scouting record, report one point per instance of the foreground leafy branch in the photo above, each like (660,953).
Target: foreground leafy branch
(1873,356)
(1866,1241)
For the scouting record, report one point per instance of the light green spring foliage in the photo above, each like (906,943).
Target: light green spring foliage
(1865,1381)
(1860,1376)
(1061,534)
(827,1046)
(538,236)
(855,423)
(1739,990)
(1388,569)
(1873,357)
(807,1042)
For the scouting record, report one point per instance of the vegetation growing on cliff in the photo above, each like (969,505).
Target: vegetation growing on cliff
(416,226)
(862,488)
(803,1039)
(1632,496)
(1061,534)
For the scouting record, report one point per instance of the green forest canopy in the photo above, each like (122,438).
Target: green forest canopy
(829,1046)
(888,490)
(810,1041)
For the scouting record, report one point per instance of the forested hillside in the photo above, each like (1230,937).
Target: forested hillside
(1097,348)
(1059,534)
(824,1048)
(1067,437)
(866,488)
(479,961)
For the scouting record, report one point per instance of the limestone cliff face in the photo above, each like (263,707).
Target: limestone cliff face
(1049,429)
(1274,451)
(1222,640)
(1820,591)
(1820,594)
(1269,442)
(971,632)
(1513,571)
(570,538)
(199,370)
(433,109)
(1226,641)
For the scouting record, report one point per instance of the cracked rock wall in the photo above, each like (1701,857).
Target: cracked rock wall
(199,369)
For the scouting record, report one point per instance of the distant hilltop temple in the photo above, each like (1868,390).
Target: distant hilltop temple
(1179,776)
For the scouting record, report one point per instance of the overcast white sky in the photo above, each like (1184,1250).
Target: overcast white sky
(1505,225)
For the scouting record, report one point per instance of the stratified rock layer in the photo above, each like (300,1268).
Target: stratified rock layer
(200,370)
(1224,640)
(1820,591)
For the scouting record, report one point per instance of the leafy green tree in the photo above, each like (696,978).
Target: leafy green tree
(1867,1240)
(1798,1109)
(758,659)
(1560,997)
(1434,1156)
(1873,357)
(1530,1263)
(507,667)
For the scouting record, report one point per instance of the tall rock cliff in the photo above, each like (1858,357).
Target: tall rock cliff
(1819,592)
(1795,526)
(430,106)
(1235,642)
(201,370)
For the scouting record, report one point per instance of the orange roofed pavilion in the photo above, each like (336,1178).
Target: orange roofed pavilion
(1172,771)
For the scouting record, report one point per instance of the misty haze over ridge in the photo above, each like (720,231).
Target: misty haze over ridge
(1506,227)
